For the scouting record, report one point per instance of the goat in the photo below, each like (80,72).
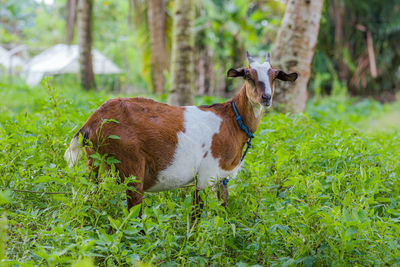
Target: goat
(166,147)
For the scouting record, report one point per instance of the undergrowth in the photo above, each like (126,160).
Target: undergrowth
(316,189)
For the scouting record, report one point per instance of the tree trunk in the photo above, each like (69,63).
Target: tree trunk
(204,71)
(294,50)
(221,81)
(70,15)
(209,72)
(182,54)
(156,21)
(199,70)
(337,13)
(85,44)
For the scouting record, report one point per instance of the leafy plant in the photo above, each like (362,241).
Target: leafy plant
(316,189)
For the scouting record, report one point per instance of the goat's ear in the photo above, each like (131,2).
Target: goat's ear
(235,72)
(283,76)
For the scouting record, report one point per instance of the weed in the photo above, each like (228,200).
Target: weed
(316,189)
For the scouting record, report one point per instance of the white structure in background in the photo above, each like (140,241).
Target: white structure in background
(61,59)
(10,61)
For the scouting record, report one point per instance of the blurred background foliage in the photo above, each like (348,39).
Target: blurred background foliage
(223,31)
(342,52)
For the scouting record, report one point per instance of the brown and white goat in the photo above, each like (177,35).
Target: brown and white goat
(166,147)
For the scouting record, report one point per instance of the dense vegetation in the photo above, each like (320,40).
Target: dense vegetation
(224,30)
(317,188)
(121,32)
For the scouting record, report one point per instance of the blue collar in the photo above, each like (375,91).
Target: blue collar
(244,128)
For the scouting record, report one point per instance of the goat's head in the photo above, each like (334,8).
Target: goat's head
(260,80)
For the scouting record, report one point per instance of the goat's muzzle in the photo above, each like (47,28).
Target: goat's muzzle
(266,100)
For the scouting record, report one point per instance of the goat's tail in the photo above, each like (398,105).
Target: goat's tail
(74,151)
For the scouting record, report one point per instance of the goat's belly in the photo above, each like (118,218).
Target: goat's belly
(168,181)
(192,150)
(183,168)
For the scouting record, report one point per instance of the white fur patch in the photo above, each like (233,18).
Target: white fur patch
(262,73)
(73,153)
(189,160)
(257,110)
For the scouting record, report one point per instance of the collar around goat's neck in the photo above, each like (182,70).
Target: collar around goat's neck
(245,129)
(241,123)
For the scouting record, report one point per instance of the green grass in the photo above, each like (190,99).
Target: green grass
(321,188)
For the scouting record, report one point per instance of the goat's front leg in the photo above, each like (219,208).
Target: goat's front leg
(197,206)
(222,191)
(135,197)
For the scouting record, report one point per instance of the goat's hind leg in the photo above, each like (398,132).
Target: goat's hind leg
(197,206)
(93,170)
(222,191)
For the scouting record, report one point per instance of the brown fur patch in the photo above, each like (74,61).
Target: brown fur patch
(272,76)
(227,145)
(148,136)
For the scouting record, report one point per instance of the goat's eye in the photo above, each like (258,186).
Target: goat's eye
(247,76)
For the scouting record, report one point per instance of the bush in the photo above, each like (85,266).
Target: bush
(313,190)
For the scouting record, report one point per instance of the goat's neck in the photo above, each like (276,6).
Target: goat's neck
(250,112)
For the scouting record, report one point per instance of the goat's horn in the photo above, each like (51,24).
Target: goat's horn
(268,58)
(249,58)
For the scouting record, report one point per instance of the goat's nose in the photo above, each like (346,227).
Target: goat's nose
(266,97)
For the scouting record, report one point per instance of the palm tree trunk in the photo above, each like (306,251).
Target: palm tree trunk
(85,44)
(70,14)
(182,54)
(294,50)
(156,21)
(337,13)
